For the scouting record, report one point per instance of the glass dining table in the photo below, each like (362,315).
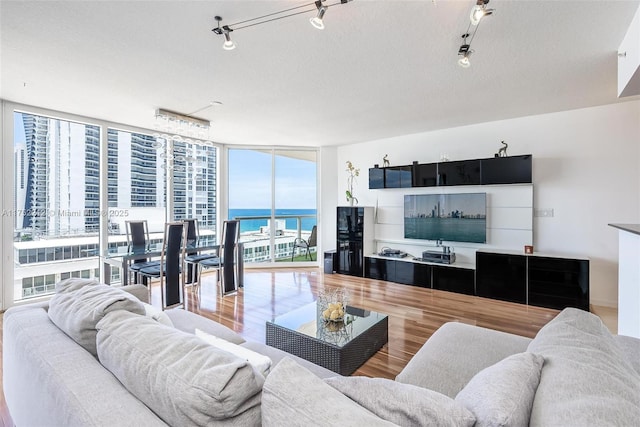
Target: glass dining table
(122,256)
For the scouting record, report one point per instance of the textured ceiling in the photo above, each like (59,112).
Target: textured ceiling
(379,69)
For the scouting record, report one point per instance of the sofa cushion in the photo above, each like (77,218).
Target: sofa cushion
(259,361)
(49,380)
(187,321)
(502,394)
(403,404)
(292,396)
(182,379)
(73,284)
(77,311)
(586,379)
(156,314)
(455,353)
(276,355)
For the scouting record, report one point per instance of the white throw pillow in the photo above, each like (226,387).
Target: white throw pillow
(157,314)
(502,394)
(259,361)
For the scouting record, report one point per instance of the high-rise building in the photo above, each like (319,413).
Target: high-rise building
(57,194)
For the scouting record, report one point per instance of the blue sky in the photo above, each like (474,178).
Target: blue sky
(250,181)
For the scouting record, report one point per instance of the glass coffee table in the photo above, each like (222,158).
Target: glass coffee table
(339,346)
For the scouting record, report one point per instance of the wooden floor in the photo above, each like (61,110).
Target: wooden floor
(414,313)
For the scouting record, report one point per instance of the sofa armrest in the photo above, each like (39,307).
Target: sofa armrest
(455,353)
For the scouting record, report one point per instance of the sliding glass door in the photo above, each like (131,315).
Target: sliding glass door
(273,193)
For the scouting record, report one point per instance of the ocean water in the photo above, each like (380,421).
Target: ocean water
(255,224)
(448,229)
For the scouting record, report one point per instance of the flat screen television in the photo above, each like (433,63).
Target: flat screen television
(448,217)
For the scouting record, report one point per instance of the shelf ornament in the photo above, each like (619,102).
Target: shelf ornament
(353,173)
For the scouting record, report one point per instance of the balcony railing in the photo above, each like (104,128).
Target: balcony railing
(255,235)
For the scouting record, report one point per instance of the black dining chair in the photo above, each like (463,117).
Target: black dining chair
(138,239)
(306,245)
(170,268)
(192,259)
(225,263)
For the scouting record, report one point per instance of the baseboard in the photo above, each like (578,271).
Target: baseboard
(604,303)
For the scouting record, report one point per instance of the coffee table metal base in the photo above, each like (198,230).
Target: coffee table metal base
(343,360)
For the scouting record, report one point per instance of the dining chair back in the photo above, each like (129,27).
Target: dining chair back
(225,262)
(193,231)
(192,259)
(137,232)
(170,267)
(138,239)
(229,252)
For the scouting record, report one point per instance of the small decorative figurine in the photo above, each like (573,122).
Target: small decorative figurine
(385,161)
(502,152)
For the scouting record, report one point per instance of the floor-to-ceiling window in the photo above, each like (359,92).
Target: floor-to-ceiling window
(56,212)
(55,205)
(274,194)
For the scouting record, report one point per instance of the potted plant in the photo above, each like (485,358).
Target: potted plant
(353,173)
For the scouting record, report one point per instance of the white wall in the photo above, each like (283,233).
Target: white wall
(585,167)
(328,181)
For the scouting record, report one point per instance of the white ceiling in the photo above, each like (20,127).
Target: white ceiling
(379,69)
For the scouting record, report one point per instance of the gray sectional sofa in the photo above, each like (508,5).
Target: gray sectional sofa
(115,366)
(116,363)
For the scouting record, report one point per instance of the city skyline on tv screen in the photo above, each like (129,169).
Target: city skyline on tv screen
(447,217)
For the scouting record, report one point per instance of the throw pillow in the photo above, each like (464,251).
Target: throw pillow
(157,314)
(294,397)
(73,284)
(403,404)
(78,311)
(502,394)
(185,381)
(259,361)
(587,378)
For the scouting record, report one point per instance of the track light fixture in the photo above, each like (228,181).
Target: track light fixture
(317,6)
(317,20)
(477,13)
(464,52)
(226,32)
(228,43)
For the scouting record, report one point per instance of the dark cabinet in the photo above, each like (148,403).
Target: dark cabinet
(506,170)
(558,282)
(452,279)
(536,280)
(376,178)
(397,177)
(493,170)
(425,175)
(350,257)
(465,172)
(376,268)
(354,238)
(445,278)
(501,276)
(398,271)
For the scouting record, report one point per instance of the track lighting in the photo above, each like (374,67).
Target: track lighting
(317,20)
(479,11)
(317,6)
(464,61)
(228,43)
(464,52)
